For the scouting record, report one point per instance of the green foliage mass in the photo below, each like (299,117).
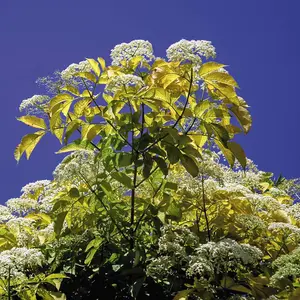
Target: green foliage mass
(145,206)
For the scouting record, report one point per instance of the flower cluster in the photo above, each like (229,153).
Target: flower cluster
(224,256)
(15,261)
(21,206)
(72,69)
(285,229)
(5,214)
(191,51)
(126,51)
(77,167)
(34,105)
(122,82)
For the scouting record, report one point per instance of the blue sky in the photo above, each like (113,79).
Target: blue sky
(258,39)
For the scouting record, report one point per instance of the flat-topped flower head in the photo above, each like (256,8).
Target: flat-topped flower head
(34,105)
(72,69)
(123,81)
(192,51)
(127,51)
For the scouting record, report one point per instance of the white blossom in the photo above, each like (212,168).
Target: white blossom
(120,82)
(72,69)
(33,187)
(21,206)
(192,51)
(285,228)
(126,51)
(17,260)
(5,214)
(34,105)
(77,167)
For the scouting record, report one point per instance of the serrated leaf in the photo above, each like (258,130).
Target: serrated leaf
(72,89)
(209,67)
(90,256)
(198,139)
(238,152)
(122,178)
(161,164)
(59,99)
(86,75)
(76,145)
(169,79)
(28,143)
(173,154)
(33,121)
(220,77)
(227,153)
(50,295)
(72,126)
(102,63)
(243,116)
(59,222)
(95,66)
(190,165)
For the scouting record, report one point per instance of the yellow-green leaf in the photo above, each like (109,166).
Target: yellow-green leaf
(243,116)
(59,99)
(209,67)
(220,77)
(102,63)
(76,145)
(72,89)
(189,164)
(238,152)
(95,66)
(28,143)
(33,121)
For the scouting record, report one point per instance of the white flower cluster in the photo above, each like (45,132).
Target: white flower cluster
(33,187)
(34,105)
(72,69)
(251,223)
(21,206)
(191,51)
(294,211)
(285,228)
(15,261)
(126,51)
(77,167)
(5,214)
(174,239)
(124,81)
(23,229)
(224,256)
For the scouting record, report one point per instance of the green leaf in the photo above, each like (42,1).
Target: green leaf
(72,126)
(28,294)
(183,295)
(189,149)
(86,75)
(28,143)
(90,256)
(76,145)
(122,178)
(123,159)
(59,99)
(220,77)
(243,116)
(33,121)
(74,192)
(227,153)
(59,222)
(102,63)
(50,295)
(95,66)
(161,164)
(173,154)
(209,67)
(238,152)
(72,89)
(189,164)
(148,163)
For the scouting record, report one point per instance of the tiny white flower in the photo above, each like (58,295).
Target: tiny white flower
(34,105)
(126,51)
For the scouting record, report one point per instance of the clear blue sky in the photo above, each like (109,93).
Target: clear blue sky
(259,39)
